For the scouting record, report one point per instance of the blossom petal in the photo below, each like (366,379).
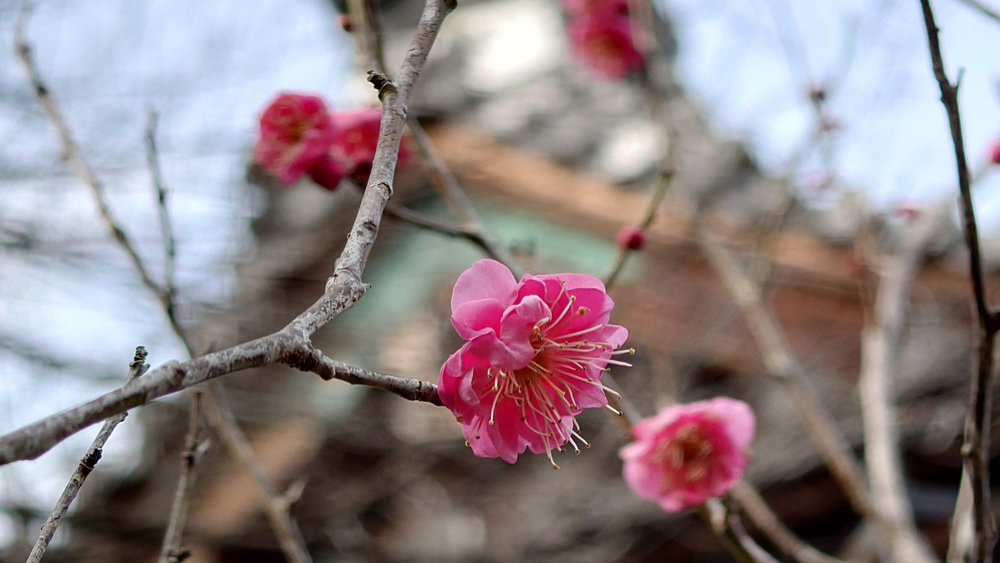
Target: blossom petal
(486,279)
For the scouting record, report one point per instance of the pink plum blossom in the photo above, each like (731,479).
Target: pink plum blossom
(604,43)
(533,359)
(295,132)
(689,453)
(357,138)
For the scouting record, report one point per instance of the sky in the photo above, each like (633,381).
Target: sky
(208,68)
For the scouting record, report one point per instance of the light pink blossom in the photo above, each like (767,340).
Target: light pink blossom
(533,359)
(604,43)
(356,140)
(690,453)
(295,132)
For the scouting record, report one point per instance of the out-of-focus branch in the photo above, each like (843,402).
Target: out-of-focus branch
(983,9)
(879,342)
(667,170)
(171,551)
(71,151)
(168,294)
(781,364)
(750,501)
(86,466)
(975,448)
(728,527)
(455,198)
(276,505)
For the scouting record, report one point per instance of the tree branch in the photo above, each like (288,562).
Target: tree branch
(975,448)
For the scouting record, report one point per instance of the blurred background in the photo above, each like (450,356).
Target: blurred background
(808,135)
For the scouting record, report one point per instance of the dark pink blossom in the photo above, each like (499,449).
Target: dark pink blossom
(604,43)
(327,172)
(690,453)
(533,359)
(295,132)
(357,138)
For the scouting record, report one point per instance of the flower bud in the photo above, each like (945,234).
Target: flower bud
(631,237)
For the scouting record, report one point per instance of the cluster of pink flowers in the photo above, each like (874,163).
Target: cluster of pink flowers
(299,136)
(689,453)
(601,36)
(533,359)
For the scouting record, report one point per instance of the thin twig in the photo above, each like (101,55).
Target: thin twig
(71,151)
(168,294)
(171,552)
(975,448)
(665,178)
(455,198)
(475,236)
(86,466)
(983,9)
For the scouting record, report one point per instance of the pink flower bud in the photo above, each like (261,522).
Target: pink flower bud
(533,359)
(995,153)
(631,237)
(817,92)
(295,132)
(347,23)
(690,453)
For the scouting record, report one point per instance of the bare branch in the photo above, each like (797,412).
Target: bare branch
(87,464)
(975,448)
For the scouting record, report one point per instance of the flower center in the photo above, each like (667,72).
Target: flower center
(545,390)
(685,456)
